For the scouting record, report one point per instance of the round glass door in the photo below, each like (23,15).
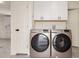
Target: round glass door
(40,42)
(61,42)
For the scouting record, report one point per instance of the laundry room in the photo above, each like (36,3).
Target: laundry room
(49,17)
(39,29)
(70,21)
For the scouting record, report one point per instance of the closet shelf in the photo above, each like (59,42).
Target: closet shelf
(50,20)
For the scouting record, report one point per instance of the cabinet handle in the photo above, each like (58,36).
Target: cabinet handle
(41,17)
(59,17)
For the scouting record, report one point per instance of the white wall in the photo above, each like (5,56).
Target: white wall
(5,20)
(5,27)
(73,4)
(49,25)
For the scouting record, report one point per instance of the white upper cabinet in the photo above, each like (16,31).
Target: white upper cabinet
(41,10)
(50,10)
(62,10)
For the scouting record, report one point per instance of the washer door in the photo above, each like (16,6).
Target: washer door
(40,42)
(61,42)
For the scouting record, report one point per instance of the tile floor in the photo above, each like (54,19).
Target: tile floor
(75,52)
(5,50)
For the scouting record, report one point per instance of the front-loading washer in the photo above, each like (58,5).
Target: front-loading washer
(61,46)
(40,43)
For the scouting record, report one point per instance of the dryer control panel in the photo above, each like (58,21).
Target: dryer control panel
(45,30)
(66,30)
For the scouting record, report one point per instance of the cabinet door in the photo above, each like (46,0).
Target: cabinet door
(42,10)
(53,10)
(62,10)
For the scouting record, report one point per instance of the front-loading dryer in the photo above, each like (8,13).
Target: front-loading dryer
(40,43)
(61,46)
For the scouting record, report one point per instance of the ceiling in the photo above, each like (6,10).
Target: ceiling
(5,6)
(71,4)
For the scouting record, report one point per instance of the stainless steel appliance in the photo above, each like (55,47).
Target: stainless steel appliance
(61,46)
(40,43)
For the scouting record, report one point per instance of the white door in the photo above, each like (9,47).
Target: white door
(73,24)
(21,19)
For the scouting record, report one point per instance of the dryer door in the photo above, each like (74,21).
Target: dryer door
(61,42)
(40,42)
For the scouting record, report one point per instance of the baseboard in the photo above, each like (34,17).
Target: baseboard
(76,46)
